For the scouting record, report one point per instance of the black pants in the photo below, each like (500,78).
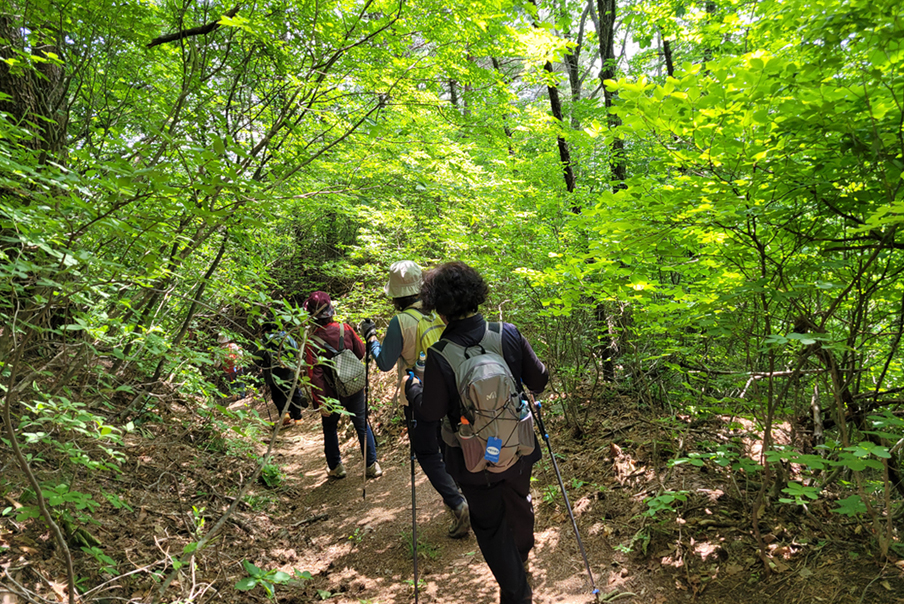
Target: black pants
(425,440)
(279,390)
(502,518)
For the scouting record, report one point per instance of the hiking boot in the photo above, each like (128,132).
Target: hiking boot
(374,470)
(337,472)
(461,520)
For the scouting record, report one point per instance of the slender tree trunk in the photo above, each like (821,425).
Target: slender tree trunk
(607,16)
(572,62)
(555,105)
(453,93)
(574,78)
(606,34)
(467,93)
(667,54)
(707,49)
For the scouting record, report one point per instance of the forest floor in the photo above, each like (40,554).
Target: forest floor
(179,474)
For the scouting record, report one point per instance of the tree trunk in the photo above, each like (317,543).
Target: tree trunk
(572,62)
(36,94)
(453,93)
(555,104)
(707,49)
(607,13)
(667,54)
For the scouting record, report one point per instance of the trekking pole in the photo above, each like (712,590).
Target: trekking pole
(535,411)
(409,415)
(366,425)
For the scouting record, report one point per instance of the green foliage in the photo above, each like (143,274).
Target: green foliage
(641,537)
(271,476)
(664,502)
(428,551)
(850,506)
(724,456)
(107,564)
(266,579)
(61,500)
(799,494)
(208,185)
(53,420)
(261,502)
(357,537)
(550,493)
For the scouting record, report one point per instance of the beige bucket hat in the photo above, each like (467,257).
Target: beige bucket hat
(404,279)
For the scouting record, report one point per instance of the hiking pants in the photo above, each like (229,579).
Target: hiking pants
(502,518)
(280,398)
(352,404)
(425,437)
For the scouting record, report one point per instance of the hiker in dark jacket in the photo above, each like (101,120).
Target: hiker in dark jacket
(326,331)
(502,514)
(278,360)
(399,349)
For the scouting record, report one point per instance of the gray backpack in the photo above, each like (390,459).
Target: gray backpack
(347,375)
(496,428)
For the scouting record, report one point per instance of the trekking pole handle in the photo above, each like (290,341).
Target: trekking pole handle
(535,407)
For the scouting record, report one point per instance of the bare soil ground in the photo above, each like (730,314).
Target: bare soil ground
(180,475)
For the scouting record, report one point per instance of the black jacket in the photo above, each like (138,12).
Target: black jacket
(440,395)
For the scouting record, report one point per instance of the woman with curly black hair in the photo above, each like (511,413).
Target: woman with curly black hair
(502,515)
(454,290)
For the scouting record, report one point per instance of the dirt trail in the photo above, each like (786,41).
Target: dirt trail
(355,546)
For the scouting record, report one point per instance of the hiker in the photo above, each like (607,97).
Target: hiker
(400,349)
(278,360)
(324,342)
(502,515)
(231,365)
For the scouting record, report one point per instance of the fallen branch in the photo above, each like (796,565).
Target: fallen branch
(757,375)
(241,524)
(311,520)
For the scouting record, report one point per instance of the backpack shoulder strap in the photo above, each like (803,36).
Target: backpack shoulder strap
(452,352)
(416,313)
(492,339)
(322,344)
(456,354)
(341,337)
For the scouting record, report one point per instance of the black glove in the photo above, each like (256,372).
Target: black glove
(300,399)
(413,389)
(367,329)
